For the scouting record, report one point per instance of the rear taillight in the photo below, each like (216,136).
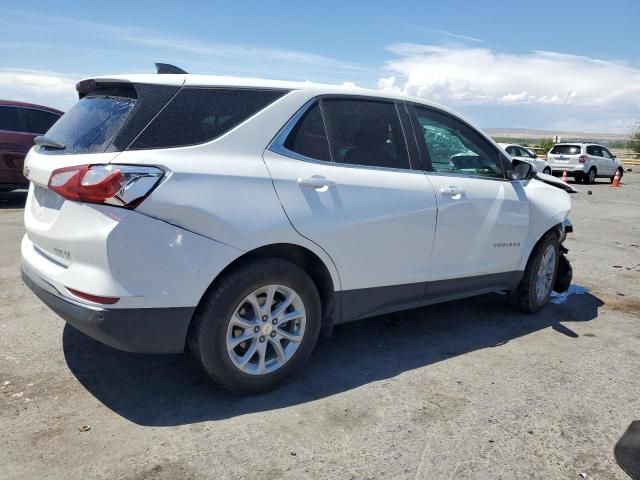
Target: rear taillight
(582,158)
(119,185)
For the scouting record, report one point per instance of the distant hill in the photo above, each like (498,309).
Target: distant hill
(528,133)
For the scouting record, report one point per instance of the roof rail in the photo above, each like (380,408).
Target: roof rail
(163,68)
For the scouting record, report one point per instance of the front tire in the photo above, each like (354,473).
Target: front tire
(547,171)
(257,326)
(536,285)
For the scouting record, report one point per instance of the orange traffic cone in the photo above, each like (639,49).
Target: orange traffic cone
(565,177)
(616,180)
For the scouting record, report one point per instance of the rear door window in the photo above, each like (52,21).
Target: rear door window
(594,150)
(565,150)
(9,119)
(513,151)
(37,121)
(309,137)
(363,132)
(198,115)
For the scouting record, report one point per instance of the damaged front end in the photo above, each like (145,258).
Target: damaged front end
(565,272)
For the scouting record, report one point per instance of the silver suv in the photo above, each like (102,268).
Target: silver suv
(584,161)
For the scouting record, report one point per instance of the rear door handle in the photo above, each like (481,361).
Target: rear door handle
(318,183)
(451,191)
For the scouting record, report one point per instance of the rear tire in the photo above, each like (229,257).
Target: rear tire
(226,313)
(539,277)
(590,177)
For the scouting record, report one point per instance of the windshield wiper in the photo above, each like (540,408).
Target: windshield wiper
(47,142)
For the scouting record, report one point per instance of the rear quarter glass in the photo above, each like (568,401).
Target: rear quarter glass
(200,114)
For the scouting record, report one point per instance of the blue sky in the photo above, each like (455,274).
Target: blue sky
(554,65)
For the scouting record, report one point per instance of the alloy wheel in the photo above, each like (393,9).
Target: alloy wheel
(546,271)
(266,329)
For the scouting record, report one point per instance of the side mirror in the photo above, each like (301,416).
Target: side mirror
(522,170)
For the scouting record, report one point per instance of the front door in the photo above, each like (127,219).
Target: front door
(483,218)
(608,161)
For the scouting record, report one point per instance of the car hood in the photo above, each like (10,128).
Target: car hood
(556,182)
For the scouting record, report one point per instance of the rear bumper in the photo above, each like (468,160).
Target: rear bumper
(142,330)
(572,170)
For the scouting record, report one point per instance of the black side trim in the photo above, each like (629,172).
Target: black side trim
(368,302)
(142,330)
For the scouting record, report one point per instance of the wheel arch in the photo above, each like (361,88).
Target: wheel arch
(555,228)
(324,279)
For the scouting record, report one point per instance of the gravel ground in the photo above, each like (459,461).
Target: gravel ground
(467,389)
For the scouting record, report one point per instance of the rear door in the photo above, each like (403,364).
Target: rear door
(597,159)
(483,218)
(345,176)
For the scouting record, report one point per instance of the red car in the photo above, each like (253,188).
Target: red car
(20,123)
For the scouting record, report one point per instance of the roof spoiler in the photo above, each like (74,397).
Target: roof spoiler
(164,68)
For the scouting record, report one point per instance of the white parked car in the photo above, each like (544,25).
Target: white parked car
(518,152)
(584,161)
(240,218)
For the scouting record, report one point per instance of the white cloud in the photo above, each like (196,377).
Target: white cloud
(470,77)
(46,88)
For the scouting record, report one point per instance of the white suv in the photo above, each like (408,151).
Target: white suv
(518,152)
(241,218)
(584,161)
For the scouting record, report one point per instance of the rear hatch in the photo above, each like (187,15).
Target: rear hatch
(564,154)
(105,121)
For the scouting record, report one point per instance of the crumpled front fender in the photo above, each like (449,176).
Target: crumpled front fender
(564,275)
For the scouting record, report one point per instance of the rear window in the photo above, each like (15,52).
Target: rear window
(198,115)
(566,150)
(92,123)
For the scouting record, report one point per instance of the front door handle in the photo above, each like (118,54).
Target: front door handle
(452,191)
(317,183)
